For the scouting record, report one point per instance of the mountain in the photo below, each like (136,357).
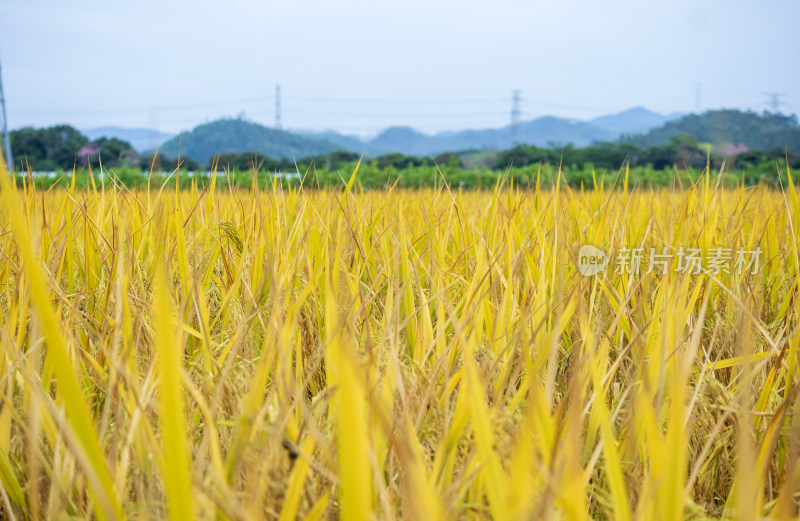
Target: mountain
(342,141)
(541,131)
(141,139)
(405,140)
(559,131)
(238,136)
(632,121)
(729,127)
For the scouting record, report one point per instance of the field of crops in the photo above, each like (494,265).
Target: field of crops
(373,176)
(393,354)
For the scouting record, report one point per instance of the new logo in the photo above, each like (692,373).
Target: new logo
(591,260)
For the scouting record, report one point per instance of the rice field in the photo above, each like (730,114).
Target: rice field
(430,354)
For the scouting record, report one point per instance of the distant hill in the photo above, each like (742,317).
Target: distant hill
(141,139)
(342,141)
(238,136)
(405,140)
(730,131)
(729,127)
(540,131)
(632,121)
(559,131)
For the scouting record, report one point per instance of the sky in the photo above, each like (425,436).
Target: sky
(359,66)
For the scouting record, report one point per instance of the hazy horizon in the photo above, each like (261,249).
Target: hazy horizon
(357,68)
(365,135)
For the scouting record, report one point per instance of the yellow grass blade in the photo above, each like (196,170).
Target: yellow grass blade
(177,468)
(69,389)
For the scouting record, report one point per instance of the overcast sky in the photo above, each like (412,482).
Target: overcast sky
(359,66)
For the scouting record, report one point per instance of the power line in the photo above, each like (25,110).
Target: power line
(398,101)
(6,142)
(565,106)
(305,99)
(698,97)
(132,110)
(447,101)
(515,113)
(499,113)
(277,107)
(775,102)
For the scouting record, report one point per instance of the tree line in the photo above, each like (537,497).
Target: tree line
(62,147)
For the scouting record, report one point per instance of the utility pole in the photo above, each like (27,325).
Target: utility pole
(152,129)
(4,128)
(277,107)
(698,97)
(515,114)
(775,101)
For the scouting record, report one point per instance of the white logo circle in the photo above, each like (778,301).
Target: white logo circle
(591,260)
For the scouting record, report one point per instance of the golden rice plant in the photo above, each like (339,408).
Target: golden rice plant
(433,354)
